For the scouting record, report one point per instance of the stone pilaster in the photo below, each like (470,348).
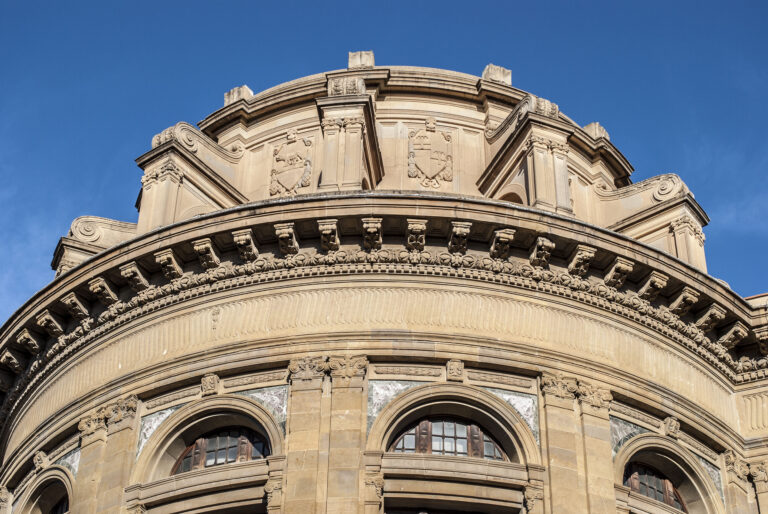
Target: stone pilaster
(347,432)
(93,442)
(304,482)
(120,449)
(737,488)
(759,474)
(598,458)
(567,490)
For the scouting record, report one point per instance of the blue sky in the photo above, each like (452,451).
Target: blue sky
(85,85)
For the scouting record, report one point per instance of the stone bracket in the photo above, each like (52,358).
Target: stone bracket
(104,290)
(684,300)
(416,237)
(169,263)
(711,317)
(246,244)
(49,323)
(372,237)
(286,238)
(329,234)
(459,236)
(540,252)
(501,244)
(136,278)
(580,260)
(618,272)
(206,253)
(652,285)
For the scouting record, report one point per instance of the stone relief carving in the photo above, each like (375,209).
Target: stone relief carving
(496,378)
(346,367)
(346,86)
(28,340)
(190,138)
(459,236)
(5,496)
(527,405)
(329,235)
(559,386)
(540,252)
(372,237)
(259,378)
(501,244)
(104,290)
(172,397)
(169,263)
(408,370)
(47,322)
(124,408)
(672,427)
(736,464)
(454,370)
(734,335)
(307,368)
(532,496)
(167,170)
(594,397)
(206,253)
(286,238)
(618,272)
(376,482)
(430,155)
(684,300)
(274,491)
(652,285)
(209,384)
(529,103)
(135,277)
(291,166)
(40,460)
(580,260)
(687,223)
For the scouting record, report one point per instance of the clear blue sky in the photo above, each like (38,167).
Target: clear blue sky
(84,86)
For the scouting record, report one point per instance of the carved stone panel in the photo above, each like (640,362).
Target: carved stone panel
(430,155)
(291,166)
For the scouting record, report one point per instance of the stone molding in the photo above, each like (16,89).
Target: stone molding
(342,368)
(94,425)
(191,139)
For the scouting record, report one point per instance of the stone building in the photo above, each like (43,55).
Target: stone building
(387,289)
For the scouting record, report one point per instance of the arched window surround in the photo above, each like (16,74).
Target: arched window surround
(54,475)
(195,419)
(699,493)
(501,421)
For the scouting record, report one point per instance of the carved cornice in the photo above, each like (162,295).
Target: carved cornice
(529,103)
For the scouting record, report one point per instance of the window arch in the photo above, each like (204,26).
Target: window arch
(512,197)
(222,446)
(652,483)
(448,436)
(48,494)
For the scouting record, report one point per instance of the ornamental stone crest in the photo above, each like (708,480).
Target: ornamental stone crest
(430,155)
(291,166)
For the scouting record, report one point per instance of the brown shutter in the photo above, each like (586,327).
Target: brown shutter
(423,438)
(197,452)
(475,442)
(244,449)
(634,481)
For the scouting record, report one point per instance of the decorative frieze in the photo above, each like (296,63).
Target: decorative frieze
(206,253)
(498,378)
(683,301)
(259,378)
(372,237)
(47,322)
(416,236)
(652,285)
(286,238)
(245,243)
(209,384)
(454,370)
(169,263)
(618,271)
(29,341)
(131,272)
(415,371)
(594,397)
(171,397)
(710,318)
(104,290)
(458,237)
(93,422)
(580,260)
(540,252)
(329,234)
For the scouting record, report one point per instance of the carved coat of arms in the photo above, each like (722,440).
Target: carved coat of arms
(291,166)
(430,155)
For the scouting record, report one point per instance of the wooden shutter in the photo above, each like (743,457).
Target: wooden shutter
(475,442)
(198,453)
(423,438)
(243,448)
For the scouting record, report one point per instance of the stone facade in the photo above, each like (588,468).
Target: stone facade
(339,259)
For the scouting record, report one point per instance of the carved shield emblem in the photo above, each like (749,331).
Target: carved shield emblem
(430,155)
(291,166)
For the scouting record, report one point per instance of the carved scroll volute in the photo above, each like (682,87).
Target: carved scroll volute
(416,236)
(559,386)
(459,236)
(49,323)
(29,341)
(274,492)
(710,318)
(736,465)
(104,290)
(136,278)
(286,238)
(580,260)
(618,272)
(593,398)
(540,252)
(733,335)
(372,236)
(652,285)
(501,244)
(206,253)
(307,368)
(246,244)
(75,306)
(169,263)
(347,370)
(683,301)
(329,234)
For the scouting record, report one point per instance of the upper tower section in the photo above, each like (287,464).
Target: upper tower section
(371,127)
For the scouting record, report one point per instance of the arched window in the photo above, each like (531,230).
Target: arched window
(653,484)
(62,507)
(448,436)
(222,446)
(512,197)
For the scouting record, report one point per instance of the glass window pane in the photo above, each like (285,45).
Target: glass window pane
(461,430)
(232,456)
(257,452)
(449,428)
(461,446)
(410,441)
(437,428)
(488,449)
(449,446)
(437,444)
(210,443)
(221,456)
(210,458)
(233,439)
